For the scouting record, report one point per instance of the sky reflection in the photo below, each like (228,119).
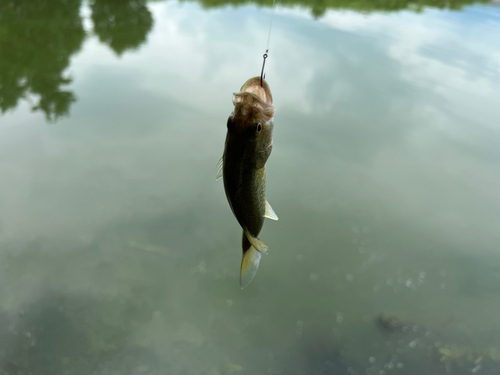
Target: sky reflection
(385,174)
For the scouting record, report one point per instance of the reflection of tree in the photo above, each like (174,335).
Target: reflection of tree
(37,39)
(121,24)
(319,7)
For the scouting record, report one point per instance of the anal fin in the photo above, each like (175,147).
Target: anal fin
(270,214)
(260,246)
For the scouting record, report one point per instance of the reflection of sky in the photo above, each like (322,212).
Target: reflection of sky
(397,111)
(447,162)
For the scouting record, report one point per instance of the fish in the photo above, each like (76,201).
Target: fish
(248,145)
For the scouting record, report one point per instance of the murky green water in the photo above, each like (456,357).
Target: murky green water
(118,250)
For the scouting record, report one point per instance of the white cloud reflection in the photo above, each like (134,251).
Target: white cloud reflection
(399,104)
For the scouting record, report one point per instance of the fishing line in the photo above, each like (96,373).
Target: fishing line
(268,39)
(270,25)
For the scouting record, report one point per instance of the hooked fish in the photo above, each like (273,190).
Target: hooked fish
(249,142)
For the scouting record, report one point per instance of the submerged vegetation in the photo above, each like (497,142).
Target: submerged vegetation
(115,305)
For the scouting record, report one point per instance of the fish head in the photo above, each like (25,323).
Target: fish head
(252,118)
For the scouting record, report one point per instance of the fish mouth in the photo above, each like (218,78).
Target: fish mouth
(259,88)
(256,95)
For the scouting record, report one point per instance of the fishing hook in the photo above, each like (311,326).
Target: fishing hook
(263,64)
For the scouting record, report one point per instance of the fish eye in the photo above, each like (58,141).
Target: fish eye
(259,127)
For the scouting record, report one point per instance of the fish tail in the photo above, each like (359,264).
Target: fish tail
(249,262)
(260,246)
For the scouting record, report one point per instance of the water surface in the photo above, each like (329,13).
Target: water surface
(118,250)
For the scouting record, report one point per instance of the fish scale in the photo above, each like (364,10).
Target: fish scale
(247,148)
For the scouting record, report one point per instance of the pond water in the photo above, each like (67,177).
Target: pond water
(118,250)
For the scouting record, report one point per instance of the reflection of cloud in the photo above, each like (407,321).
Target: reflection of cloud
(416,42)
(367,106)
(444,168)
(195,56)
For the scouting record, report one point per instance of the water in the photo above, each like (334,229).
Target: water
(118,250)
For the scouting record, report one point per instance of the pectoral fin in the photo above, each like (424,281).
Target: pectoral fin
(270,214)
(218,176)
(260,246)
(249,263)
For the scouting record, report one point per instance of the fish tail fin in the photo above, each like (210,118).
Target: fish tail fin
(260,246)
(249,262)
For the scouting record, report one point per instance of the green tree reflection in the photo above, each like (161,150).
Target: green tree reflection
(122,25)
(37,39)
(319,7)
